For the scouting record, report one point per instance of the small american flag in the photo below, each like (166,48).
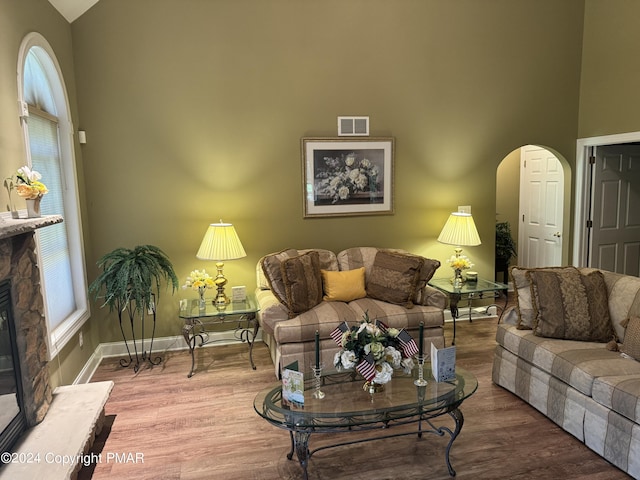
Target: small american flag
(382,326)
(407,343)
(367,367)
(337,333)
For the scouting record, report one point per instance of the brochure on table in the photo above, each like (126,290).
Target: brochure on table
(443,363)
(292,386)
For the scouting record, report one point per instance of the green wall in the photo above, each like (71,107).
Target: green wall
(194,111)
(609,93)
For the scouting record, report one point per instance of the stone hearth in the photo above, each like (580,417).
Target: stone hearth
(18,263)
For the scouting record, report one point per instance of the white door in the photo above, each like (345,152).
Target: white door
(615,233)
(541,208)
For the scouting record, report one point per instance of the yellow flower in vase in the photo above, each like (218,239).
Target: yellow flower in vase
(199,280)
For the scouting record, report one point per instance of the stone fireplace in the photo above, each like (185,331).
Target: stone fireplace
(19,267)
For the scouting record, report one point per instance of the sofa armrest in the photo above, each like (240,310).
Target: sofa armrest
(433,297)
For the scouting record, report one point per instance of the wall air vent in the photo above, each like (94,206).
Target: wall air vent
(353,126)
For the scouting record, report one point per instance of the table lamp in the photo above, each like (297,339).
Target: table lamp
(220,243)
(460,230)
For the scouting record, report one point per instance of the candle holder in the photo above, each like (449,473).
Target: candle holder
(317,374)
(420,381)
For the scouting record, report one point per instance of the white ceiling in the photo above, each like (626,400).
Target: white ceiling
(72,9)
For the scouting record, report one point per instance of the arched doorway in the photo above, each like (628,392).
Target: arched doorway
(533,185)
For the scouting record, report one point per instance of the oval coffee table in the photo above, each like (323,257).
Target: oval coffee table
(347,408)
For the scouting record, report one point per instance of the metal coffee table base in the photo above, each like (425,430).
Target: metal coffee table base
(300,437)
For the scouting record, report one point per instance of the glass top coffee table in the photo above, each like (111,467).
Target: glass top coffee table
(347,408)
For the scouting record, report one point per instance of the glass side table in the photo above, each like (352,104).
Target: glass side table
(238,316)
(470,290)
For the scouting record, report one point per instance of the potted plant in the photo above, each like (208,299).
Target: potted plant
(131,280)
(505,248)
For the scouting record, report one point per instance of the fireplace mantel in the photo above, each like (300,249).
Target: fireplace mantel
(10,227)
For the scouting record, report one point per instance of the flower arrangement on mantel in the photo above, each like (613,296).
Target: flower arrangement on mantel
(26,182)
(374,349)
(199,280)
(28,185)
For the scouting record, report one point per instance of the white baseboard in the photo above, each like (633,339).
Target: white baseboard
(160,346)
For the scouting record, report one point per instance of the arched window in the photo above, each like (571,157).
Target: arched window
(48,134)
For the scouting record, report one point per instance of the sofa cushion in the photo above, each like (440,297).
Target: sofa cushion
(576,363)
(522,287)
(620,393)
(271,267)
(397,316)
(631,345)
(324,318)
(343,286)
(570,305)
(302,282)
(395,277)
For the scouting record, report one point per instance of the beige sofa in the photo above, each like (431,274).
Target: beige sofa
(290,335)
(590,388)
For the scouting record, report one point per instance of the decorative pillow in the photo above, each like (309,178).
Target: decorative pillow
(429,268)
(273,273)
(302,282)
(343,286)
(571,306)
(394,278)
(522,288)
(631,344)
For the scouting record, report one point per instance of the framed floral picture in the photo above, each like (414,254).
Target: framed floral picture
(347,176)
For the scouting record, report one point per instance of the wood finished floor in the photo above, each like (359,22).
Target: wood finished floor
(205,427)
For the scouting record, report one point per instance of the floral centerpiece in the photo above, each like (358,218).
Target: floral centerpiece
(340,178)
(26,182)
(459,263)
(199,280)
(374,349)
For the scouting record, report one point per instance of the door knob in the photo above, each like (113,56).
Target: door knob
(557,234)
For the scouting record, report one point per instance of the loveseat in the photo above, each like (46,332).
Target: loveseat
(300,292)
(570,348)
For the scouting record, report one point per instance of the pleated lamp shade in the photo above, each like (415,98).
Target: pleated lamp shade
(221,243)
(460,230)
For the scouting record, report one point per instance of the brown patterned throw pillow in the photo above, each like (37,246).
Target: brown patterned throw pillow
(302,282)
(394,278)
(570,305)
(522,288)
(631,344)
(273,273)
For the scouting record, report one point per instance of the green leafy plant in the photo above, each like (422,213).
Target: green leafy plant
(133,276)
(505,246)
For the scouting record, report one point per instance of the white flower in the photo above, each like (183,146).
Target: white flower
(407,365)
(361,182)
(348,359)
(393,332)
(384,371)
(32,175)
(393,357)
(344,360)
(350,159)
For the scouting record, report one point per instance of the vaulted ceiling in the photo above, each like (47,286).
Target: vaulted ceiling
(72,9)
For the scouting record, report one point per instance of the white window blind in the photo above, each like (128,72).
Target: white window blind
(54,245)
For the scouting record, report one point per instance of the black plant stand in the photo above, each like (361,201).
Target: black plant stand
(142,356)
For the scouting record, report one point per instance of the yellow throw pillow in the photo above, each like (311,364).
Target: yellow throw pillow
(343,286)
